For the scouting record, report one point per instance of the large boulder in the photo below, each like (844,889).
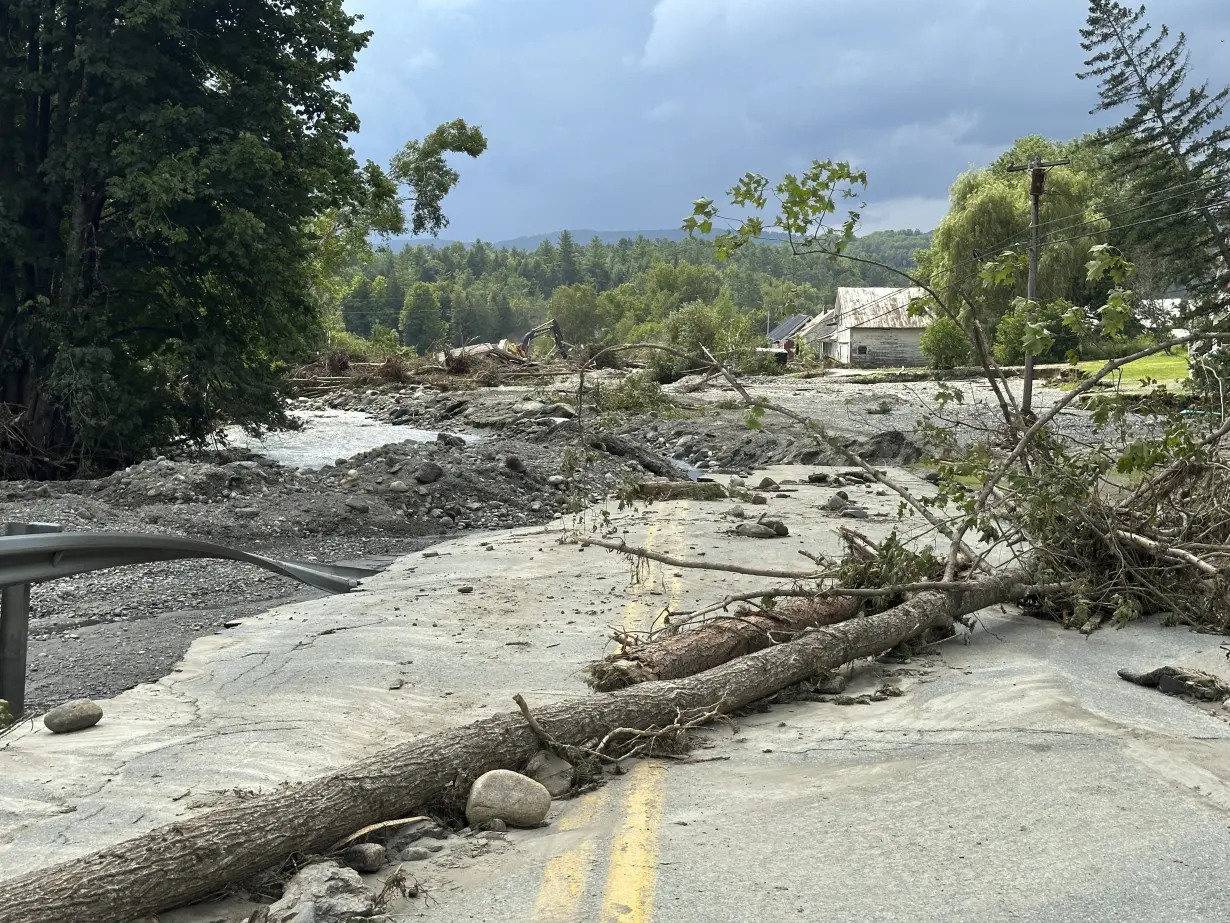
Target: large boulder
(553,772)
(324,893)
(517,800)
(76,715)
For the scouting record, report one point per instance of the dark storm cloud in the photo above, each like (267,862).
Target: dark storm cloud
(616,113)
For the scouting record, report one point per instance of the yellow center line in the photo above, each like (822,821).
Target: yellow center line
(632,874)
(564,877)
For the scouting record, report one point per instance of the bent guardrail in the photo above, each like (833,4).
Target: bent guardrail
(38,552)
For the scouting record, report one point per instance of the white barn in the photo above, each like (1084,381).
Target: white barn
(870,327)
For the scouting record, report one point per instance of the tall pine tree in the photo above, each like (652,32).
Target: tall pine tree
(1172,148)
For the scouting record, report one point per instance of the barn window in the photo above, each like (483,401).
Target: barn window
(862,350)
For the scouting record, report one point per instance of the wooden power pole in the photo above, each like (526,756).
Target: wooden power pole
(1037,185)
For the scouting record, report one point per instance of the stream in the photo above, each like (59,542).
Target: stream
(329,435)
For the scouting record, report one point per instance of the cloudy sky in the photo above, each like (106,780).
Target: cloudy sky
(615,114)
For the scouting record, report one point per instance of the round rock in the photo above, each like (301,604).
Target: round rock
(76,715)
(365,857)
(517,800)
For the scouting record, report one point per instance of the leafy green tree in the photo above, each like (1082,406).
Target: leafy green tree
(177,200)
(422,324)
(1172,150)
(989,213)
(946,344)
(576,309)
(1012,336)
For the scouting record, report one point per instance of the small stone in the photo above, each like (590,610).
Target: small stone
(818,477)
(559,411)
(737,482)
(735,512)
(76,715)
(514,463)
(359,506)
(855,512)
(517,800)
(776,525)
(754,530)
(554,772)
(767,484)
(932,477)
(839,501)
(431,554)
(246,512)
(399,487)
(428,473)
(536,506)
(495,825)
(465,589)
(415,854)
(365,858)
(760,500)
(557,481)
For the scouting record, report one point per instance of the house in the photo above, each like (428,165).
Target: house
(869,327)
(787,328)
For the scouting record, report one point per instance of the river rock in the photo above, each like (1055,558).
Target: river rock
(399,487)
(359,506)
(76,715)
(779,528)
(855,512)
(517,800)
(767,484)
(839,501)
(755,530)
(557,481)
(428,473)
(415,854)
(449,439)
(365,858)
(323,893)
(514,463)
(554,772)
(735,512)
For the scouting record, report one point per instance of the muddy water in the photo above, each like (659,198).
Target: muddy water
(328,435)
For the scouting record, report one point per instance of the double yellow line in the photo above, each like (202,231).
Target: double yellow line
(632,871)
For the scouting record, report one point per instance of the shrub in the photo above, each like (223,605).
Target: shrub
(946,344)
(1010,334)
(637,393)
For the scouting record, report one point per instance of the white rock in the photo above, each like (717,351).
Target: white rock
(517,800)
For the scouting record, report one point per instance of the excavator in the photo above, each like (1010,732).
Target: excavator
(522,349)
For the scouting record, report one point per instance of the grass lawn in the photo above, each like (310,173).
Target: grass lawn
(1159,367)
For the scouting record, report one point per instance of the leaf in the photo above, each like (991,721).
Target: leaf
(1036,339)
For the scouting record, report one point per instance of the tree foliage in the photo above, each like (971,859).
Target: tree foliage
(1170,153)
(946,344)
(158,169)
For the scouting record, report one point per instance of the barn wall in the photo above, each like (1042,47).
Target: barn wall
(891,347)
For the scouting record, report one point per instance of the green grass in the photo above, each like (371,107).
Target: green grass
(1159,367)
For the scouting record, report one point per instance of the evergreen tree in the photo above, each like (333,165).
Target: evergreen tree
(422,325)
(569,260)
(597,273)
(1172,148)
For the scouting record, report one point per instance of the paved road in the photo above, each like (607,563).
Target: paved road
(1018,778)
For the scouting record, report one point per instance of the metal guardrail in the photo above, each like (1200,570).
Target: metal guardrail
(38,552)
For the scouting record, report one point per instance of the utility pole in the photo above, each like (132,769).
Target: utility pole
(1037,185)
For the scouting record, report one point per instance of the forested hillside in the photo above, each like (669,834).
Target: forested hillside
(599,292)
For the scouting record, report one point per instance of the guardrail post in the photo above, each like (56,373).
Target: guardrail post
(15,626)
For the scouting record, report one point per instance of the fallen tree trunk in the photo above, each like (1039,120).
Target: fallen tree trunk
(719,641)
(714,643)
(195,858)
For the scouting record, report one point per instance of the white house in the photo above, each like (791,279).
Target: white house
(869,327)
